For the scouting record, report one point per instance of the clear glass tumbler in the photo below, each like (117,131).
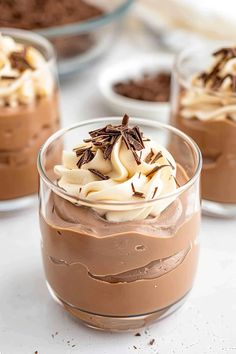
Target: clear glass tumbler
(29,113)
(120,275)
(216,136)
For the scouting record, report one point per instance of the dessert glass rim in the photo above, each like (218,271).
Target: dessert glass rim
(19,34)
(209,47)
(86,25)
(60,191)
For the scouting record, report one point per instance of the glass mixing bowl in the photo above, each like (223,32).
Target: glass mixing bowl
(80,43)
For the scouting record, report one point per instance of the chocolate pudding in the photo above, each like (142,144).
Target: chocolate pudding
(106,261)
(28,116)
(206,110)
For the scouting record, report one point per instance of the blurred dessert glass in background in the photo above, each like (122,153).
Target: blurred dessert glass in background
(28,112)
(204,107)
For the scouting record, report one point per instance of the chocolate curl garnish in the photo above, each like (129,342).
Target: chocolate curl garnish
(98,174)
(136,193)
(86,157)
(105,138)
(149,156)
(177,183)
(156,169)
(157,157)
(8,77)
(224,54)
(154,193)
(18,61)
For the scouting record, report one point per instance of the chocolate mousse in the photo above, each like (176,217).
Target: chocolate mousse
(206,111)
(105,262)
(28,116)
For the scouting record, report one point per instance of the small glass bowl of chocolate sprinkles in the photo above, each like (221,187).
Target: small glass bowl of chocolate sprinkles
(139,86)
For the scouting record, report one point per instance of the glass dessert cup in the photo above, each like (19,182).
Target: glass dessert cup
(120,275)
(24,126)
(216,138)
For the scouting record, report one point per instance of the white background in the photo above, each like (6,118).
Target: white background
(30,319)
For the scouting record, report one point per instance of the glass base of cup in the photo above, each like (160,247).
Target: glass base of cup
(222,210)
(115,323)
(17,204)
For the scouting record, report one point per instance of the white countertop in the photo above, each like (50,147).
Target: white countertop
(31,321)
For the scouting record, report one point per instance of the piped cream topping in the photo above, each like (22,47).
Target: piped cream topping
(24,75)
(88,173)
(212,95)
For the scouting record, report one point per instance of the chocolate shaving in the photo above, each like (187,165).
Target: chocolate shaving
(155,191)
(139,175)
(224,54)
(177,183)
(98,174)
(152,341)
(234,83)
(86,157)
(172,167)
(156,168)
(136,193)
(80,189)
(149,156)
(105,138)
(125,120)
(157,157)
(138,335)
(18,61)
(8,77)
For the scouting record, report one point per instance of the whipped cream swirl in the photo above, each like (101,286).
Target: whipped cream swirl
(121,179)
(212,95)
(24,75)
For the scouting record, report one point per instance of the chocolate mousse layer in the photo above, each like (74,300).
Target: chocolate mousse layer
(23,129)
(217,142)
(119,268)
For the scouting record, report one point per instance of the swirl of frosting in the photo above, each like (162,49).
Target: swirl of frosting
(24,75)
(120,178)
(212,93)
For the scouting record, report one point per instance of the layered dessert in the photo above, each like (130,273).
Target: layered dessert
(118,240)
(206,110)
(28,116)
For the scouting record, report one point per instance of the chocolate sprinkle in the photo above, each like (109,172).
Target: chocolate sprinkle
(136,193)
(170,164)
(157,168)
(8,77)
(152,341)
(157,157)
(155,191)
(98,174)
(138,335)
(177,183)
